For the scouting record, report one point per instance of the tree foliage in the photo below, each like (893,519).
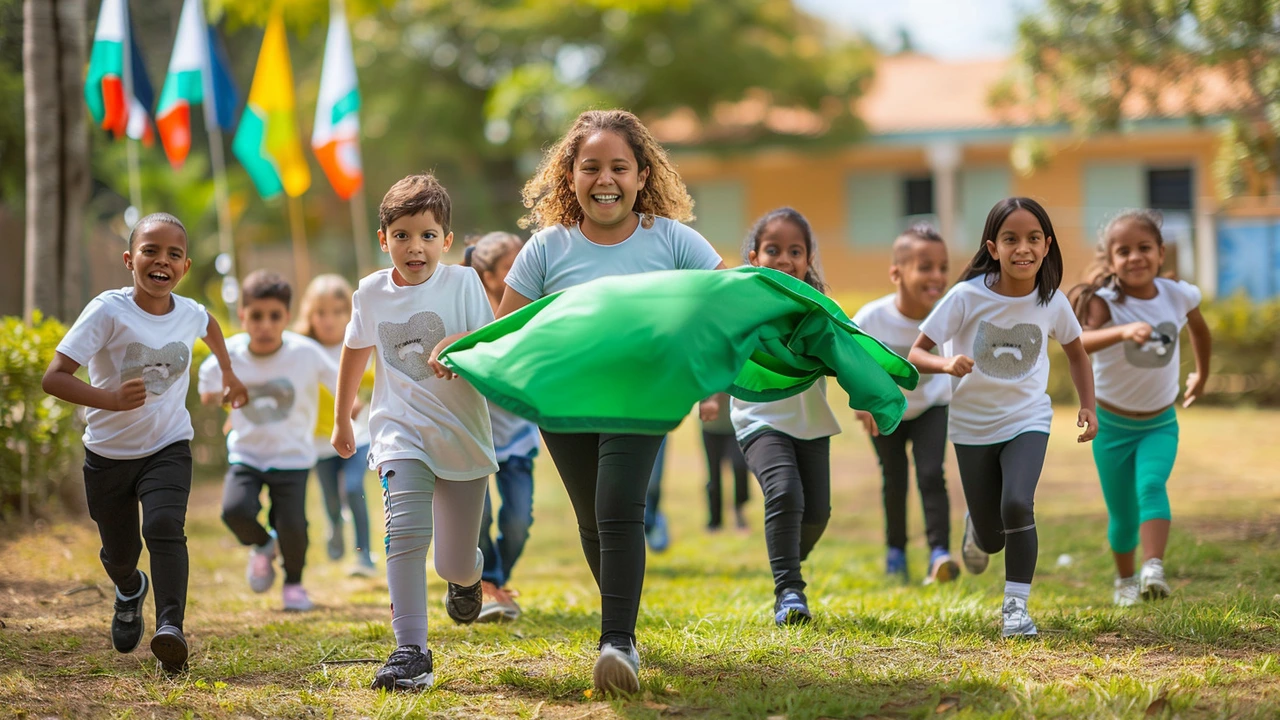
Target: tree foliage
(1085,60)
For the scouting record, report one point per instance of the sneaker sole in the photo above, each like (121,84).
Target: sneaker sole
(1033,635)
(946,572)
(791,617)
(496,616)
(613,674)
(308,608)
(1155,592)
(171,651)
(422,682)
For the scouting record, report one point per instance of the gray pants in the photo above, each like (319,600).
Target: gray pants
(1000,486)
(418,506)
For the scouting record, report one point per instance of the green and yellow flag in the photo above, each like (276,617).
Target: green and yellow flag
(267,143)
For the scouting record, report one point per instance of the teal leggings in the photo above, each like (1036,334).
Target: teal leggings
(1134,459)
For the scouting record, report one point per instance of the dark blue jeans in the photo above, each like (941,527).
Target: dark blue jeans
(515,488)
(341,478)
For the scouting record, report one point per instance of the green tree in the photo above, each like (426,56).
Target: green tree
(1085,59)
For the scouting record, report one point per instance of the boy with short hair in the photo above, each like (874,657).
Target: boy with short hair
(271,442)
(137,342)
(432,443)
(919,271)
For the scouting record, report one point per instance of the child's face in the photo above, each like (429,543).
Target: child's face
(158,259)
(922,276)
(607,178)
(782,247)
(1136,255)
(329,318)
(494,280)
(264,320)
(415,243)
(1020,246)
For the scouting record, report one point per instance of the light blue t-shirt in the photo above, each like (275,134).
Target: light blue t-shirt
(560,257)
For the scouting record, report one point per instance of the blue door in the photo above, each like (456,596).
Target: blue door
(1249,258)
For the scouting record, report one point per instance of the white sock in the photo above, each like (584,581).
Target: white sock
(1022,591)
(1131,580)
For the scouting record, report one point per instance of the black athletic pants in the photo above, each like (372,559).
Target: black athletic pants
(719,448)
(927,434)
(241,503)
(795,477)
(1000,486)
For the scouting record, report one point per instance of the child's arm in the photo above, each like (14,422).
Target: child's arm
(233,391)
(511,302)
(1096,337)
(61,382)
(1082,377)
(927,362)
(709,409)
(350,370)
(868,422)
(1201,347)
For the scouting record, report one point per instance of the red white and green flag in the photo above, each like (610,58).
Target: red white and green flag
(335,137)
(197,75)
(116,87)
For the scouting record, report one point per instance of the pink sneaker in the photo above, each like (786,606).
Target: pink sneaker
(261,572)
(296,600)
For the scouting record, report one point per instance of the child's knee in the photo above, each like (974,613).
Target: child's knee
(785,500)
(1018,514)
(163,526)
(1122,534)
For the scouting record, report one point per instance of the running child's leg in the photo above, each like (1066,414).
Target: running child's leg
(407,490)
(714,450)
(288,492)
(241,504)
(1113,453)
(738,461)
(891,450)
(928,434)
(515,488)
(353,472)
(456,508)
(328,471)
(813,458)
(772,458)
(576,456)
(1021,462)
(625,462)
(111,493)
(164,486)
(981,478)
(492,571)
(1153,463)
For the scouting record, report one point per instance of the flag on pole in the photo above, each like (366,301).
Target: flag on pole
(336,135)
(118,95)
(267,142)
(197,75)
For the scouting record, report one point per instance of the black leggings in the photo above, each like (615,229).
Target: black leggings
(606,476)
(161,484)
(795,476)
(1000,486)
(927,434)
(241,503)
(721,447)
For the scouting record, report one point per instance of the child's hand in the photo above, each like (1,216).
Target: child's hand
(130,395)
(1195,388)
(709,410)
(234,392)
(868,422)
(343,438)
(1089,421)
(960,365)
(434,363)
(1137,332)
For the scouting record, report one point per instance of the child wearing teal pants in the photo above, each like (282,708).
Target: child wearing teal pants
(1131,319)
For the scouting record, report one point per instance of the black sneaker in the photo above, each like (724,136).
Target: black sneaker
(463,603)
(127,625)
(170,648)
(408,668)
(791,608)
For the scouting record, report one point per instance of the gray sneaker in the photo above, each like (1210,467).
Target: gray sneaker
(1017,623)
(617,670)
(1126,594)
(975,558)
(1151,580)
(261,571)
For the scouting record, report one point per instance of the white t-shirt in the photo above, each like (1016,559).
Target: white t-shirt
(415,415)
(1007,337)
(560,257)
(275,430)
(120,341)
(324,446)
(1144,378)
(883,321)
(513,436)
(805,416)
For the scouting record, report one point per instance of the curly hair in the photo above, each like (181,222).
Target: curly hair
(549,193)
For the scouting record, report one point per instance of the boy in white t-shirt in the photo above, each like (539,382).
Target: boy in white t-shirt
(432,443)
(271,442)
(919,271)
(137,343)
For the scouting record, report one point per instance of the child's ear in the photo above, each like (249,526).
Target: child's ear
(644,177)
(448,242)
(895,275)
(186,266)
(752,258)
(240,313)
(128,261)
(382,240)
(991,250)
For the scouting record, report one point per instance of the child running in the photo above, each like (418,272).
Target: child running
(606,201)
(1132,319)
(787,442)
(326,310)
(271,442)
(515,443)
(137,342)
(998,319)
(720,446)
(919,272)
(431,441)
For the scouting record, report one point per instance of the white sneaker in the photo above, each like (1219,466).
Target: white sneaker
(617,670)
(1151,580)
(1126,594)
(1017,623)
(975,558)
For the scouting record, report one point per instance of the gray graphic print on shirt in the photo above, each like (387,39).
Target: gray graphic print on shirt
(1157,351)
(159,369)
(269,402)
(406,346)
(1007,353)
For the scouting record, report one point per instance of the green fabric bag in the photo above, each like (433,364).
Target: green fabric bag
(633,353)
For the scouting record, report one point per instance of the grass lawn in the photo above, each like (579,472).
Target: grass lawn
(707,642)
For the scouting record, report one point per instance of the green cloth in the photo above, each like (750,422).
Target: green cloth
(633,353)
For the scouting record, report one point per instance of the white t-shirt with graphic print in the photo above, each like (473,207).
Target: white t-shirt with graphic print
(275,429)
(1144,378)
(414,415)
(119,341)
(1008,339)
(885,322)
(805,416)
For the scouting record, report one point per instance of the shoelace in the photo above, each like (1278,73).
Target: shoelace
(125,610)
(404,654)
